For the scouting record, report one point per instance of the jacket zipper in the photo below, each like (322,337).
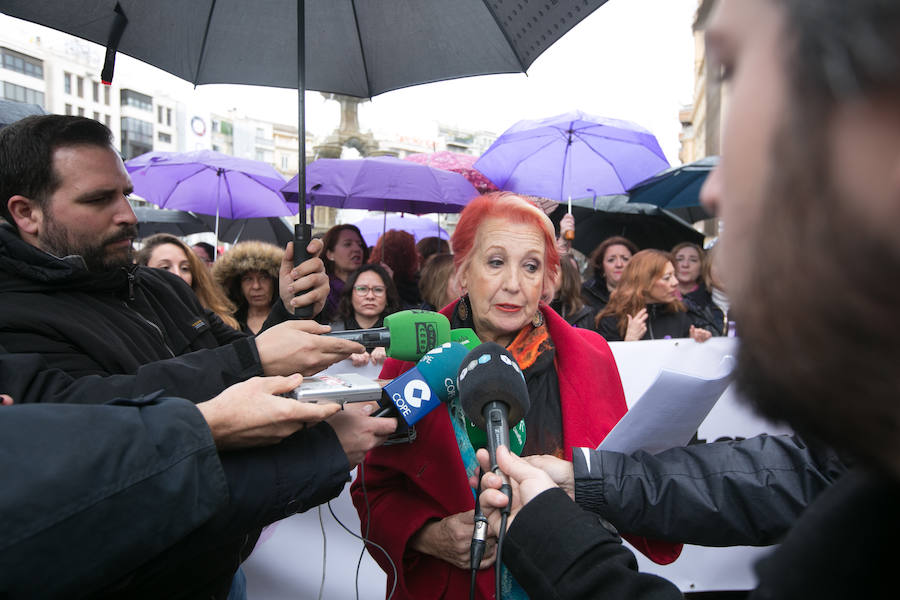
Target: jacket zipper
(153,325)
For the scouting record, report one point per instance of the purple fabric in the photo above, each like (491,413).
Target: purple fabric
(382,183)
(572,155)
(204,181)
(421,227)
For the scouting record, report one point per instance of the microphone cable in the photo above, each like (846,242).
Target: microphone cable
(479,535)
(498,565)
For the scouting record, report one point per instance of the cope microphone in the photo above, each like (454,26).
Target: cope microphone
(420,390)
(494,396)
(406,335)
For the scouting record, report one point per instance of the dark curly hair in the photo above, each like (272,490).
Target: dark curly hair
(345,306)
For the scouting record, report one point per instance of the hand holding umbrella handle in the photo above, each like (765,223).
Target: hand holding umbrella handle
(302,237)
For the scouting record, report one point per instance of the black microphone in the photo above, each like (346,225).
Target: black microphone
(494,396)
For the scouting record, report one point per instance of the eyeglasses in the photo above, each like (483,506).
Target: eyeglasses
(362,290)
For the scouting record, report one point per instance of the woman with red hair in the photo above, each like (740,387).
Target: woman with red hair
(415,500)
(396,251)
(645,304)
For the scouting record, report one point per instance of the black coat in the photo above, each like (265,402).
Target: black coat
(143,324)
(844,546)
(704,312)
(595,294)
(661,324)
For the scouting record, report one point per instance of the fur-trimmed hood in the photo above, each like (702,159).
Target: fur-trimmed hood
(244,257)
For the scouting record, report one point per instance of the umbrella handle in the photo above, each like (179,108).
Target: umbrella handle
(302,237)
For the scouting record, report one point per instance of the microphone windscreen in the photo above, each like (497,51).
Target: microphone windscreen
(488,374)
(415,332)
(440,366)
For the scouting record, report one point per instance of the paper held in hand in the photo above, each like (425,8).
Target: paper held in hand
(669,412)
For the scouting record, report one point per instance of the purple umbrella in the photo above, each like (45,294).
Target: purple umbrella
(572,156)
(209,183)
(382,183)
(373,227)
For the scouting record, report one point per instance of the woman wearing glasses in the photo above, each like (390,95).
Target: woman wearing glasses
(369,296)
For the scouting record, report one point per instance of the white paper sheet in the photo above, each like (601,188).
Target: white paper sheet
(669,412)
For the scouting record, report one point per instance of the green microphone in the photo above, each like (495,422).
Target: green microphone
(406,335)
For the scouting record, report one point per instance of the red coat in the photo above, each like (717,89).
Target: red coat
(408,485)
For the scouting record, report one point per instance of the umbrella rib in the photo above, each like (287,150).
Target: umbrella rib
(212,8)
(506,36)
(362,51)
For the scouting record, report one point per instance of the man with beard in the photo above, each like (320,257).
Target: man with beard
(70,294)
(808,188)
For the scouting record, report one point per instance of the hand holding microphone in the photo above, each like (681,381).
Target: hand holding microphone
(406,335)
(526,480)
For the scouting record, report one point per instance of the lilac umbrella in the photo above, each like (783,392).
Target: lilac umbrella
(382,183)
(209,183)
(572,156)
(420,227)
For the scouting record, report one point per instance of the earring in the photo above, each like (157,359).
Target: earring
(538,319)
(462,309)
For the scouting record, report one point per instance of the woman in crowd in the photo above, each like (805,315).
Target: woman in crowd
(608,261)
(396,251)
(437,282)
(164,251)
(568,302)
(713,283)
(248,273)
(645,304)
(690,262)
(429,246)
(414,499)
(367,299)
(344,252)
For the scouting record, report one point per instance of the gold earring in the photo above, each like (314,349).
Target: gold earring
(538,319)
(462,308)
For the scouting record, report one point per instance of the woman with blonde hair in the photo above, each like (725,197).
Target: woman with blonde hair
(645,303)
(167,252)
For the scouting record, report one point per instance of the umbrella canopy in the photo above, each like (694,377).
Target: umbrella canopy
(175,222)
(456,162)
(571,156)
(274,230)
(646,225)
(383,183)
(421,227)
(677,188)
(356,48)
(10,111)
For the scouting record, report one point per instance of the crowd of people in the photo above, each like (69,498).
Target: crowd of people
(148,438)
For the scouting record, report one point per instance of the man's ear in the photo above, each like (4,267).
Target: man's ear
(26,214)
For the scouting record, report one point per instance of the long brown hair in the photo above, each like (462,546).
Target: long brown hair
(209,293)
(633,291)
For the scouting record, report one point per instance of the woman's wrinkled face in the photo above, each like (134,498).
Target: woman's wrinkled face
(171,258)
(615,259)
(257,289)
(504,277)
(348,252)
(369,295)
(665,289)
(687,263)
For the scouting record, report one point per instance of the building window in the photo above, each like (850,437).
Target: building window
(216,148)
(260,133)
(80,111)
(68,109)
(107,120)
(18,93)
(159,115)
(137,137)
(106,95)
(80,87)
(260,156)
(67,82)
(164,137)
(22,63)
(284,163)
(136,99)
(96,91)
(169,117)
(96,116)
(226,128)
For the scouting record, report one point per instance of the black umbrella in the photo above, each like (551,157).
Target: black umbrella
(677,189)
(175,222)
(275,230)
(646,225)
(10,111)
(349,47)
